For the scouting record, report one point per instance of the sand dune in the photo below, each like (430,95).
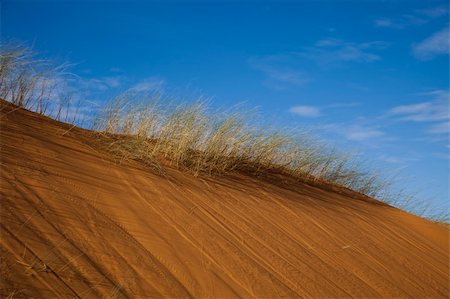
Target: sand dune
(76,223)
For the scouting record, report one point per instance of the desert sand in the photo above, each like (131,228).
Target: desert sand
(78,223)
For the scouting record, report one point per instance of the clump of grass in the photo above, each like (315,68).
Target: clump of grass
(34,84)
(194,137)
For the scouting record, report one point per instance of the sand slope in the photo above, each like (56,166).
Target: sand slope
(74,223)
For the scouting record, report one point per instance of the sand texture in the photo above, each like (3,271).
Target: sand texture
(75,222)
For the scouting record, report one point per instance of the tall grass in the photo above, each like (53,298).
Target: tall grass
(34,84)
(201,140)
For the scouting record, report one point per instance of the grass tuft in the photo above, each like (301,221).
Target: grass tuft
(192,137)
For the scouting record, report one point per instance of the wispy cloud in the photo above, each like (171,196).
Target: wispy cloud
(415,18)
(355,131)
(359,129)
(396,159)
(98,84)
(278,74)
(401,22)
(306,111)
(442,128)
(385,22)
(435,113)
(412,112)
(435,109)
(357,86)
(434,12)
(148,84)
(115,70)
(361,133)
(317,111)
(328,51)
(343,105)
(443,156)
(283,70)
(112,82)
(436,44)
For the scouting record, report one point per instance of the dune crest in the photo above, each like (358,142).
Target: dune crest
(75,223)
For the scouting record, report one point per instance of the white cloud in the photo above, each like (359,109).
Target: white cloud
(442,128)
(286,69)
(328,51)
(401,22)
(306,111)
(360,133)
(98,84)
(149,84)
(342,105)
(434,12)
(357,130)
(436,109)
(315,111)
(278,75)
(436,44)
(385,22)
(357,86)
(416,17)
(410,109)
(435,112)
(444,156)
(287,76)
(390,159)
(396,159)
(112,81)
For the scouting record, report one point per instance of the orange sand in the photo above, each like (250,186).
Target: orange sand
(75,223)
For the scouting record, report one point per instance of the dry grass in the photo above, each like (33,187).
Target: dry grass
(34,84)
(196,138)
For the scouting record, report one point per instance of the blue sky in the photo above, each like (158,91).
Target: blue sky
(371,76)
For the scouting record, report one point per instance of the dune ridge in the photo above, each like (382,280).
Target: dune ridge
(75,223)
